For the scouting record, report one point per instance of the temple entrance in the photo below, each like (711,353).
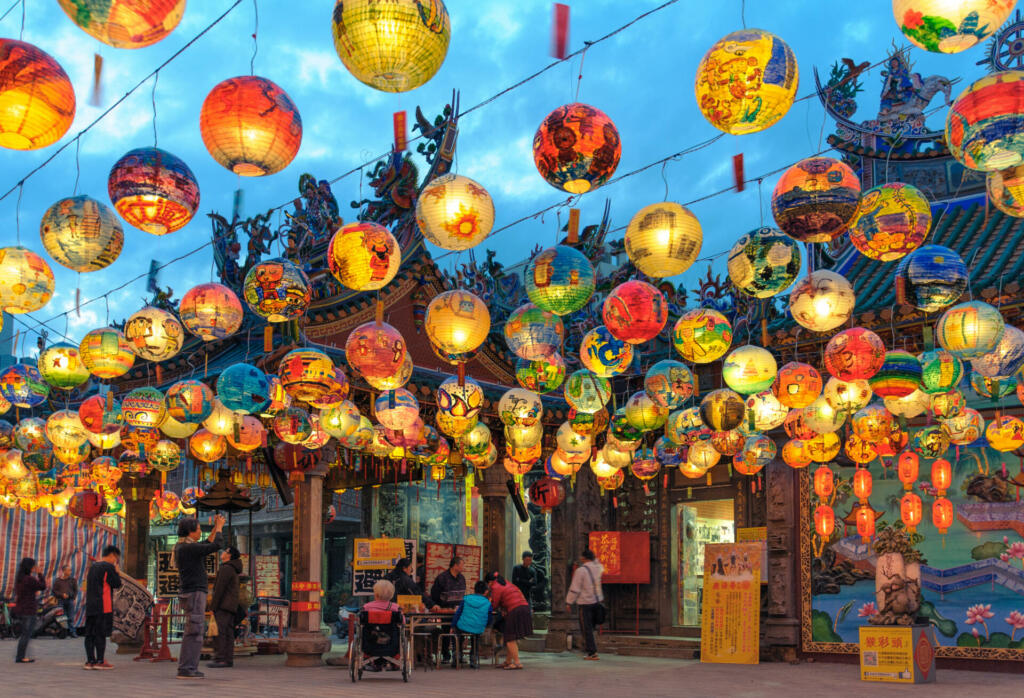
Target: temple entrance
(695,524)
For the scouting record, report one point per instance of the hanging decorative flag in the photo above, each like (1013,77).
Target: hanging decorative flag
(96,98)
(560,31)
(469,499)
(400,139)
(574,226)
(737,171)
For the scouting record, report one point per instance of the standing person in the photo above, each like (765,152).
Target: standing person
(224,605)
(190,554)
(516,621)
(585,591)
(446,592)
(524,576)
(101,580)
(65,590)
(27,583)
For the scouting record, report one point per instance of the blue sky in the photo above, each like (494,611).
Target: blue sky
(642,78)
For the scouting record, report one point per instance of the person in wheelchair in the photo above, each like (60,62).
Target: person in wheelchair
(382,629)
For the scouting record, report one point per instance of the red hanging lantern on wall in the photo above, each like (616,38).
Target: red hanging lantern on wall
(942,476)
(942,514)
(824,521)
(907,468)
(910,511)
(862,485)
(824,482)
(547,493)
(865,522)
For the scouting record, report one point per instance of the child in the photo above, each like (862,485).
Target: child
(471,618)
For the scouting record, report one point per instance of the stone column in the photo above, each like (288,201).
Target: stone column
(495,498)
(305,644)
(138,494)
(782,626)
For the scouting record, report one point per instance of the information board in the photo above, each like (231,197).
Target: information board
(897,654)
(756,534)
(374,557)
(625,556)
(267,570)
(731,608)
(167,583)
(439,556)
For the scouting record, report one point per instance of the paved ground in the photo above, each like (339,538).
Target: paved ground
(58,672)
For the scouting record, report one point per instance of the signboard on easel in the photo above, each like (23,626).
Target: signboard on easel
(374,557)
(731,607)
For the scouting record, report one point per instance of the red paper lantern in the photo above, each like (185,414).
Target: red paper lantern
(942,514)
(824,482)
(153,190)
(942,476)
(907,468)
(910,511)
(547,493)
(865,522)
(854,354)
(862,484)
(635,312)
(250,126)
(576,148)
(824,521)
(87,504)
(295,459)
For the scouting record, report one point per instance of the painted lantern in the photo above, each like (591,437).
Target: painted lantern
(340,421)
(985,124)
(101,414)
(541,375)
(749,369)
(644,413)
(909,406)
(797,384)
(125,23)
(899,375)
(22,386)
(702,335)
(847,396)
(165,456)
(375,349)
(1005,189)
(970,329)
(189,401)
(81,234)
(454,212)
(106,353)
(964,428)
(276,290)
(669,383)
(532,333)
(154,334)
(722,410)
(338,388)
(61,366)
(153,190)
(396,409)
(635,312)
(576,148)
(144,407)
(306,374)
(559,279)
(949,27)
(764,412)
(1005,433)
(663,239)
(892,220)
(518,406)
(587,392)
(941,371)
(364,256)
(243,388)
(26,280)
(603,354)
(931,278)
(210,311)
(816,199)
(207,447)
(462,401)
(764,263)
(293,425)
(821,301)
(819,417)
(854,354)
(1002,362)
(457,321)
(37,101)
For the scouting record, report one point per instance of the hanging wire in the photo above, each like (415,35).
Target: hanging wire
(743,13)
(579,77)
(664,179)
(152,97)
(21,34)
(17,212)
(78,166)
(255,32)
(10,9)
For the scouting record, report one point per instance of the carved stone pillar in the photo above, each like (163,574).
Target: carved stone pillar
(495,498)
(305,643)
(782,626)
(138,494)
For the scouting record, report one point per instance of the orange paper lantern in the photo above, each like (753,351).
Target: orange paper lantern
(862,484)
(942,476)
(824,482)
(910,511)
(865,522)
(907,468)
(942,514)
(37,102)
(824,521)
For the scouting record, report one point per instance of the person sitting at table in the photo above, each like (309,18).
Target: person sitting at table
(447,591)
(405,585)
(472,617)
(383,592)
(516,621)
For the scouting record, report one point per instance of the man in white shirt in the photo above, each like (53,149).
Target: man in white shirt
(585,591)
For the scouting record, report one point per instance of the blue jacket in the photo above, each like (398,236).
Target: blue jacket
(472,614)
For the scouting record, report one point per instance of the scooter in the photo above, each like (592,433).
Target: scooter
(8,622)
(52,620)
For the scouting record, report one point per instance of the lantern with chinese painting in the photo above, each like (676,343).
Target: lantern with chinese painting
(942,476)
(106,353)
(210,311)
(588,423)
(250,126)
(644,413)
(547,493)
(1005,433)
(586,391)
(749,369)
(154,334)
(645,466)
(635,312)
(862,484)
(899,376)
(243,388)
(892,220)
(140,439)
(361,438)
(61,366)
(964,428)
(797,384)
(824,521)
(947,405)
(541,375)
(663,239)
(704,455)
(125,23)
(292,425)
(81,234)
(613,481)
(944,27)
(854,354)
(87,504)
(1005,360)
(364,256)
(931,278)
(819,417)
(338,388)
(758,451)
(22,386)
(821,301)
(859,451)
(702,335)
(941,371)
(153,190)
(375,349)
(306,374)
(722,410)
(576,148)
(746,81)
(970,329)
(872,423)
(37,97)
(26,280)
(341,420)
(847,396)
(907,468)
(396,409)
(250,435)
(992,388)
(824,481)
(669,383)
(603,354)
(822,448)
(685,426)
(764,262)
(764,411)
(144,407)
(1005,190)
(317,438)
(930,441)
(518,406)
(101,414)
(276,290)
(942,514)
(815,199)
(559,279)
(462,400)
(532,333)
(728,443)
(454,212)
(457,321)
(165,456)
(621,429)
(189,401)
(983,129)
(64,429)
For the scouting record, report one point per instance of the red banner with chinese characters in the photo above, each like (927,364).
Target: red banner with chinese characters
(731,607)
(625,556)
(439,556)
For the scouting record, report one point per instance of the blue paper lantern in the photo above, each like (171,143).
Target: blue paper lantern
(243,388)
(930,278)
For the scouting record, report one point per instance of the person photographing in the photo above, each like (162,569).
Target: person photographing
(190,556)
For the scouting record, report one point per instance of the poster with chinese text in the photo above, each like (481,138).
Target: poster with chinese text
(731,608)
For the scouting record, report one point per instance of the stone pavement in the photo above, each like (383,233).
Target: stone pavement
(58,672)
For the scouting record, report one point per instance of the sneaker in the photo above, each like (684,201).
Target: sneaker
(103,665)
(191,675)
(89,666)
(592,657)
(219,665)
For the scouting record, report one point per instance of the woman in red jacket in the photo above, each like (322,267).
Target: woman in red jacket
(27,583)
(516,622)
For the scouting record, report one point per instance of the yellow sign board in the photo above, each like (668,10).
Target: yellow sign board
(897,654)
(731,607)
(377,553)
(751,534)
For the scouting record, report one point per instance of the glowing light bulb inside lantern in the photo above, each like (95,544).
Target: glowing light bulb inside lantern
(251,134)
(459,336)
(822,306)
(664,236)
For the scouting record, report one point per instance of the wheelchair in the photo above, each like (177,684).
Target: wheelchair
(380,644)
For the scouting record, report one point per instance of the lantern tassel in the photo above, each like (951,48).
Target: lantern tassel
(96,96)
(737,171)
(560,31)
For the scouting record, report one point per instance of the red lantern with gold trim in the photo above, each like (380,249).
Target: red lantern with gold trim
(907,468)
(910,511)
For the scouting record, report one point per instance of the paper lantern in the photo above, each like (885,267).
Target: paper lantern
(603,354)
(862,484)
(30,435)
(22,386)
(576,148)
(644,413)
(165,456)
(518,406)
(1006,359)
(746,81)
(635,312)
(795,424)
(899,376)
(854,354)
(663,239)
(824,482)
(645,468)
(764,411)
(276,290)
(37,102)
(909,406)
(872,423)
(816,199)
(207,447)
(964,428)
(26,281)
(983,126)
(1005,189)
(476,441)
(317,438)
(1005,433)
(821,301)
(211,311)
(189,401)
(454,212)
(364,256)
(847,396)
(105,441)
(101,414)
(728,443)
(153,190)
(764,262)
(375,349)
(759,450)
(749,369)
(546,493)
(154,334)
(702,335)
(930,442)
(586,391)
(669,383)
(306,374)
(945,27)
(910,511)
(250,435)
(992,388)
(907,469)
(81,234)
(622,430)
(61,366)
(521,437)
(942,476)
(541,375)
(970,329)
(87,504)
(942,514)
(824,521)
(892,220)
(722,410)
(941,371)
(361,438)
(687,426)
(250,126)
(859,451)
(559,279)
(139,439)
(822,448)
(221,420)
(106,353)
(125,23)
(144,407)
(396,409)
(64,429)
(395,47)
(397,379)
(947,405)
(931,278)
(613,481)
(243,388)
(819,417)
(460,400)
(532,333)
(796,384)
(340,421)
(293,425)
(457,321)
(338,388)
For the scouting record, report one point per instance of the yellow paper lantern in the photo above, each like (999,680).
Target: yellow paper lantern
(250,435)
(970,330)
(64,429)
(26,281)
(663,239)
(364,256)
(37,102)
(61,366)
(847,396)
(1005,190)
(222,420)
(454,212)
(81,234)
(177,430)
(942,26)
(125,23)
(154,333)
(457,321)
(165,456)
(394,46)
(106,353)
(206,446)
(746,82)
(106,441)
(821,301)
(821,417)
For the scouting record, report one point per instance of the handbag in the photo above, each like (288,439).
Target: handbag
(600,613)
